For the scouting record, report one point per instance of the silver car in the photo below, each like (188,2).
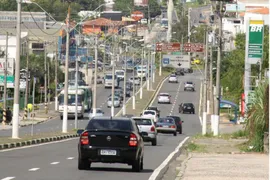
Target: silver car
(116,102)
(173,79)
(137,80)
(164,98)
(99,113)
(147,125)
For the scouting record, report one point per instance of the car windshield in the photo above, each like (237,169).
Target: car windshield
(149,113)
(176,118)
(152,108)
(141,121)
(109,76)
(164,95)
(98,111)
(173,75)
(115,98)
(71,99)
(166,120)
(100,124)
(120,73)
(189,83)
(188,104)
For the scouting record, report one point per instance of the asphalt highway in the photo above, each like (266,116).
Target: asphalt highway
(58,160)
(56,124)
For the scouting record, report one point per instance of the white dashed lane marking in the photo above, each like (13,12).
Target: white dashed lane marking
(54,163)
(69,158)
(8,178)
(33,169)
(175,99)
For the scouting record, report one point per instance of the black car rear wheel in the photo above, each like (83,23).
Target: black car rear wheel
(180,130)
(137,165)
(154,142)
(175,133)
(83,164)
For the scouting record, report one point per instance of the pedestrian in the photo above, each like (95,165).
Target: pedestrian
(9,115)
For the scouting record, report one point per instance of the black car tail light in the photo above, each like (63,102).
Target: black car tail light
(133,140)
(84,138)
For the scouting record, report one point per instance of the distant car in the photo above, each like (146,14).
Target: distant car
(166,125)
(189,86)
(116,102)
(118,93)
(147,125)
(120,74)
(186,108)
(151,114)
(99,113)
(154,108)
(178,123)
(173,79)
(110,140)
(127,91)
(137,81)
(99,80)
(179,72)
(164,98)
(129,86)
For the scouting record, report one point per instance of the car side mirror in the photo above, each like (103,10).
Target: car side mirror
(80,131)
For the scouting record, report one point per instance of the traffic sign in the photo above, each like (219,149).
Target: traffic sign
(10,81)
(176,61)
(255,43)
(167,47)
(193,47)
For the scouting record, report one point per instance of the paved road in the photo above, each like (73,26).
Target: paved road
(56,124)
(58,161)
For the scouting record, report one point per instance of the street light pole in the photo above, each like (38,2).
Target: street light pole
(5,80)
(65,113)
(113,76)
(141,83)
(160,63)
(125,79)
(95,78)
(189,33)
(76,88)
(133,88)
(217,99)
(204,124)
(148,69)
(45,77)
(16,109)
(56,82)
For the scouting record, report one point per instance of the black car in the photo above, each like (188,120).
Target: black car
(179,72)
(111,140)
(186,108)
(122,91)
(154,108)
(178,123)
(129,86)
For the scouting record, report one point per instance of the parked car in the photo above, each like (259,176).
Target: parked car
(164,98)
(186,107)
(166,125)
(178,123)
(110,140)
(147,125)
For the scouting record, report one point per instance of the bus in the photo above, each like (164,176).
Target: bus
(84,101)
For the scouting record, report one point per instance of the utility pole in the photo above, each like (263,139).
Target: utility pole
(160,63)
(49,92)
(27,83)
(148,70)
(45,78)
(16,108)
(133,88)
(76,88)
(5,81)
(217,100)
(125,79)
(65,115)
(141,83)
(113,75)
(189,10)
(55,78)
(204,124)
(95,78)
(211,87)
(151,71)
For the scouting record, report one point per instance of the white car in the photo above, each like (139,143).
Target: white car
(116,102)
(120,74)
(189,86)
(173,78)
(142,73)
(137,81)
(99,113)
(164,98)
(150,114)
(147,125)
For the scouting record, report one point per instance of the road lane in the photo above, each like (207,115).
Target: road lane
(56,124)
(59,160)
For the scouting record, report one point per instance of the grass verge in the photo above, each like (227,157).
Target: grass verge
(193,147)
(27,137)
(235,135)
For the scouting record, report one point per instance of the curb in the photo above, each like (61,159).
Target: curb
(162,170)
(183,167)
(36,141)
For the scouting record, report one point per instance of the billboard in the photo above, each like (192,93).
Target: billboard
(10,66)
(140,2)
(176,61)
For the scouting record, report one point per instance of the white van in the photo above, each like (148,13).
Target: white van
(120,74)
(108,81)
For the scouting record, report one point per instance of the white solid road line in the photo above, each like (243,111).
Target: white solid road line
(54,163)
(8,178)
(33,169)
(69,158)
(37,145)
(157,171)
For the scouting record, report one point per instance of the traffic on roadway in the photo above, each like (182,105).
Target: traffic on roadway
(102,149)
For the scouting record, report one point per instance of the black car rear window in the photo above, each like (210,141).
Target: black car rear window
(176,118)
(166,120)
(188,104)
(100,124)
(142,121)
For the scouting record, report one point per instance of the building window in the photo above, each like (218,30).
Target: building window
(37,46)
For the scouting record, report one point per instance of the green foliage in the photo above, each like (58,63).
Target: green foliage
(266,48)
(199,36)
(257,121)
